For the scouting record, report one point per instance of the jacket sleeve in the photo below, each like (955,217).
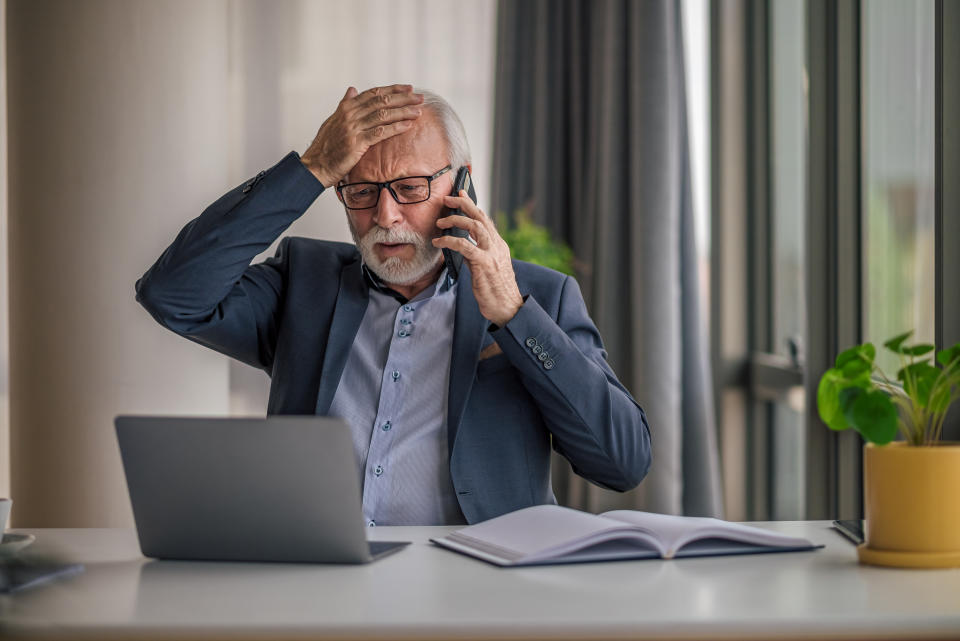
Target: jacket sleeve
(203,286)
(595,423)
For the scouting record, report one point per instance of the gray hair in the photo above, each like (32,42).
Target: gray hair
(458,150)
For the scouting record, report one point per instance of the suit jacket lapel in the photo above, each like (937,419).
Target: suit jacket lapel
(347,315)
(468,332)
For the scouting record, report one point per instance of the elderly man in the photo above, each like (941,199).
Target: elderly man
(455,382)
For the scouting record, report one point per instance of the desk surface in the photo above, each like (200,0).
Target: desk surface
(425,592)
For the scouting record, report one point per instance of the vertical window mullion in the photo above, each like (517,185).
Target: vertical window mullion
(947,216)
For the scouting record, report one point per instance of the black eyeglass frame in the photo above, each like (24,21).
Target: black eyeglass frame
(389,187)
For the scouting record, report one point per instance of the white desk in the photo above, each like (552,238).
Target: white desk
(425,592)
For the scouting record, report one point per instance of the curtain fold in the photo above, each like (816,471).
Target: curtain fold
(590,135)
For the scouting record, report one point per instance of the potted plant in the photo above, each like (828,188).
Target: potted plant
(911,487)
(533,243)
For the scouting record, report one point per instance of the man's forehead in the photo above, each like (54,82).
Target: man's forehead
(413,153)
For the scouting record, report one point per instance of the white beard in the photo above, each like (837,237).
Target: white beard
(395,270)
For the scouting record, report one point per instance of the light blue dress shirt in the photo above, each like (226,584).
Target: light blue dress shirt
(393,394)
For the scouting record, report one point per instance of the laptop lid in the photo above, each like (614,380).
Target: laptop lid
(282,488)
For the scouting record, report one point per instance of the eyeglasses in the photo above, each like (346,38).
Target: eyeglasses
(406,191)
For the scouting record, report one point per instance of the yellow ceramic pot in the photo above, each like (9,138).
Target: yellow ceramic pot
(912,505)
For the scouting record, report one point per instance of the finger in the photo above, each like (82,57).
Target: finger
(399,88)
(473,227)
(466,205)
(385,116)
(391,92)
(382,132)
(470,251)
(351,93)
(367,104)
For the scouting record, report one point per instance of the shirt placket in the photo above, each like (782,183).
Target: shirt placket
(393,388)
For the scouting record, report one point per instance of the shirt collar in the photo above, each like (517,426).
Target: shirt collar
(376,283)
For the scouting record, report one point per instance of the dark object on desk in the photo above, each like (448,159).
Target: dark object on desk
(851,529)
(281,488)
(17,573)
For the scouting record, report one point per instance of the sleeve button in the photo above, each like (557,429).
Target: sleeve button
(543,356)
(548,364)
(531,342)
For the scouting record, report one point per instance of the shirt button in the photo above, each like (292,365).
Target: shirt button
(537,349)
(531,342)
(386,426)
(407,308)
(378,471)
(395,375)
(404,321)
(403,333)
(372,523)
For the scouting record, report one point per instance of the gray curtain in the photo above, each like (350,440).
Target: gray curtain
(590,135)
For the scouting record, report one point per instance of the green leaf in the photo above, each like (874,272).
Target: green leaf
(864,381)
(856,367)
(917,350)
(847,397)
(894,344)
(918,379)
(874,415)
(847,356)
(947,356)
(828,400)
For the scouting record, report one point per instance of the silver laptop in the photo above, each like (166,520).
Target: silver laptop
(283,488)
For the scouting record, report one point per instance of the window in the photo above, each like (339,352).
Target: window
(897,67)
(835,189)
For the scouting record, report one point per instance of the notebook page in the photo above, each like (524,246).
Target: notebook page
(676,531)
(537,531)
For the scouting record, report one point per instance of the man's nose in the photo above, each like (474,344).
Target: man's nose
(387,212)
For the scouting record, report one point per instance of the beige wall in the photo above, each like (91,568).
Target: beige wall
(125,120)
(116,133)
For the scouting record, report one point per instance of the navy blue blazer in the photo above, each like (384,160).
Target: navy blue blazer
(295,316)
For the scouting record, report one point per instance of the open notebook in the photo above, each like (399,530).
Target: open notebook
(547,534)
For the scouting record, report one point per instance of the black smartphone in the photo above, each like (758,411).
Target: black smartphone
(453,259)
(852,529)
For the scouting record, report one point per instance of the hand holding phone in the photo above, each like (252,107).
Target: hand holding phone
(474,238)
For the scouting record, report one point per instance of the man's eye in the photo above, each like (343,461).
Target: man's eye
(359,192)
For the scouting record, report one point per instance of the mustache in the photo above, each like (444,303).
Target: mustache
(392,235)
